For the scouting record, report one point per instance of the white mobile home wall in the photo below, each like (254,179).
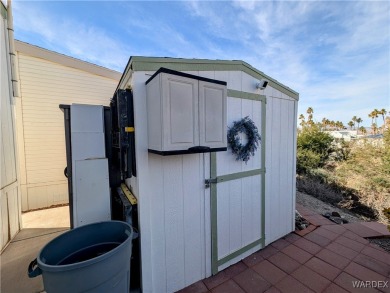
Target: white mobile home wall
(49,79)
(173,203)
(10,193)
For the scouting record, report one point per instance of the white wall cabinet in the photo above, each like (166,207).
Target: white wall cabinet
(186,113)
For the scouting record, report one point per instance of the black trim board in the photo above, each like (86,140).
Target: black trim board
(184,152)
(179,73)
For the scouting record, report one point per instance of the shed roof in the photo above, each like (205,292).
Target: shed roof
(38,52)
(3,10)
(139,63)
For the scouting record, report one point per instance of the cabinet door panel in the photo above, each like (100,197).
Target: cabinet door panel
(180,102)
(212,114)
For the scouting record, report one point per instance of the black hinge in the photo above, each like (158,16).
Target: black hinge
(209,181)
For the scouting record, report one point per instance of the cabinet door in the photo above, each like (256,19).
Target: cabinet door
(212,115)
(180,108)
(91,193)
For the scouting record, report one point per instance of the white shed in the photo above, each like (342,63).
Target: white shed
(47,80)
(190,230)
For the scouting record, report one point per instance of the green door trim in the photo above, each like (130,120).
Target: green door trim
(235,176)
(215,262)
(245,95)
(239,252)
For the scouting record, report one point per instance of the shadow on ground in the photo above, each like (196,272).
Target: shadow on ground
(17,256)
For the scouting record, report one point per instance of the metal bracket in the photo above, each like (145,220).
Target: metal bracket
(209,181)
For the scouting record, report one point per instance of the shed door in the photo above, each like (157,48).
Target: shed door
(237,192)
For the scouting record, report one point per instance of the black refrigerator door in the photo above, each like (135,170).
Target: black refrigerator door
(68,169)
(123,138)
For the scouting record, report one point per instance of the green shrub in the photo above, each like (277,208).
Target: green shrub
(342,150)
(386,213)
(386,156)
(313,148)
(307,160)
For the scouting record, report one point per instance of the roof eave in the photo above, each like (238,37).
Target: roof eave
(139,63)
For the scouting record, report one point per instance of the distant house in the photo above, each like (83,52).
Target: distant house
(347,135)
(47,80)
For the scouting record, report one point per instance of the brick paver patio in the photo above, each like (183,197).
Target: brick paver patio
(325,257)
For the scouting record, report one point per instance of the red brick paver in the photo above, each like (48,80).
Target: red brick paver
(198,287)
(342,250)
(290,284)
(269,272)
(280,244)
(284,262)
(325,257)
(250,281)
(228,287)
(333,259)
(311,279)
(307,245)
(296,253)
(323,268)
(326,233)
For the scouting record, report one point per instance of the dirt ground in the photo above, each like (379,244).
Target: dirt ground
(322,207)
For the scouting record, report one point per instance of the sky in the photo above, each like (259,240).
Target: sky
(335,54)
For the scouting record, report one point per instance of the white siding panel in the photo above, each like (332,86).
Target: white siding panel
(9,185)
(280,164)
(174,221)
(193,211)
(141,185)
(177,221)
(44,86)
(223,219)
(9,213)
(227,165)
(5,237)
(248,83)
(235,219)
(234,81)
(157,221)
(8,158)
(52,193)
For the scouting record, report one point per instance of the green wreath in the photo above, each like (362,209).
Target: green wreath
(247,126)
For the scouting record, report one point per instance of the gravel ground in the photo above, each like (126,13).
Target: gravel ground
(322,207)
(381,242)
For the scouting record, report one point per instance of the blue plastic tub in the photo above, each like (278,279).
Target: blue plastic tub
(91,258)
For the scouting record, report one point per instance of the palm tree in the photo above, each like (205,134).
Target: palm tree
(339,125)
(302,118)
(383,112)
(324,123)
(374,128)
(362,130)
(333,124)
(372,117)
(375,114)
(358,121)
(351,124)
(354,118)
(310,112)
